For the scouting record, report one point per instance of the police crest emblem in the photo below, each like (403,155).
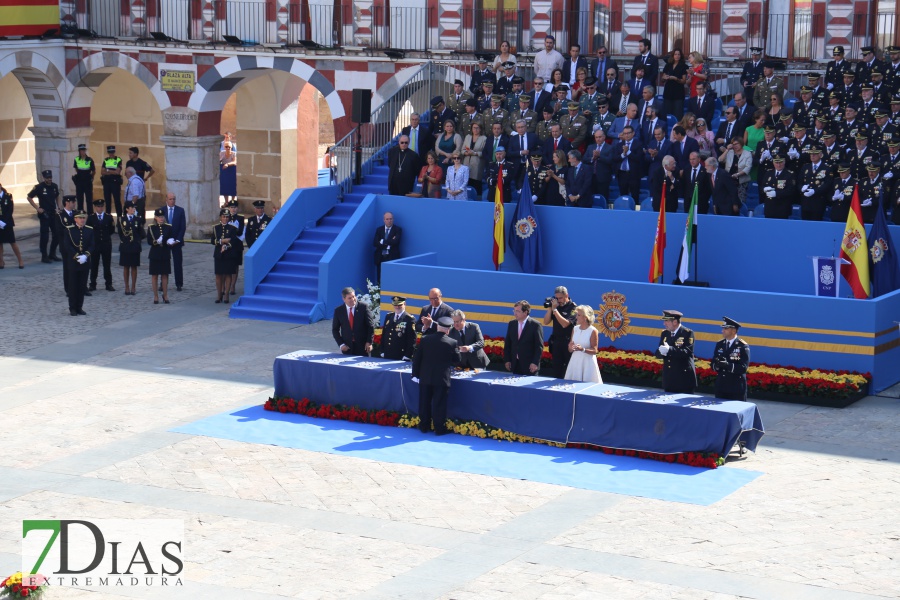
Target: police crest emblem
(878,250)
(826,275)
(525,227)
(614,320)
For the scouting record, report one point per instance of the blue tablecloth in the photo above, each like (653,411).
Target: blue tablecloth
(549,409)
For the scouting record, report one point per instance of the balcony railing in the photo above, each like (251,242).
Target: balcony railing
(797,36)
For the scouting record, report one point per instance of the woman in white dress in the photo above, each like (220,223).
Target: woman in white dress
(584,347)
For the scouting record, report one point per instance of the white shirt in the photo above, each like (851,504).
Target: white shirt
(545,63)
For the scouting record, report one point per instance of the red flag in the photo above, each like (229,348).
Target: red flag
(499,237)
(659,243)
(854,249)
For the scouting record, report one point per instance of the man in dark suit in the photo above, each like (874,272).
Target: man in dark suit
(649,123)
(730,361)
(629,96)
(556,142)
(398,335)
(649,61)
(728,129)
(682,148)
(104,229)
(639,81)
(609,86)
(255,224)
(657,148)
(470,340)
(600,65)
(78,241)
(519,149)
(628,159)
(176,217)
(676,349)
(431,313)
(403,168)
(539,96)
(386,242)
(600,156)
(420,139)
(572,64)
(353,325)
(702,105)
(723,188)
(524,342)
(695,175)
(436,356)
(579,182)
(667,177)
(496,139)
(61,222)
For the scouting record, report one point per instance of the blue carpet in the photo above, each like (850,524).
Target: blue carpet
(586,469)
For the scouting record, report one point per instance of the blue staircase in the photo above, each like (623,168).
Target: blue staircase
(289,293)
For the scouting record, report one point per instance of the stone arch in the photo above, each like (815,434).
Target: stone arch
(44,85)
(218,83)
(84,86)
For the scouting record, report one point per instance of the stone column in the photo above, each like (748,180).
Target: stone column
(55,148)
(192,173)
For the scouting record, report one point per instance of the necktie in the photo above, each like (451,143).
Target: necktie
(555,143)
(350,316)
(521,327)
(170,214)
(623,105)
(713,180)
(694,176)
(625,160)
(728,133)
(412,139)
(496,143)
(627,122)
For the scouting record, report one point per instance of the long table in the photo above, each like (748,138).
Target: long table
(541,407)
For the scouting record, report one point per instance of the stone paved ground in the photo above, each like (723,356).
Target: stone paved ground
(87,404)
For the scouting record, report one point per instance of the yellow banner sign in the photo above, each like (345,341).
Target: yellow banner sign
(172,80)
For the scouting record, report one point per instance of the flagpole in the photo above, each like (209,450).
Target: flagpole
(694,242)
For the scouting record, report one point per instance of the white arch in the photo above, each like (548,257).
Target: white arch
(43,83)
(82,95)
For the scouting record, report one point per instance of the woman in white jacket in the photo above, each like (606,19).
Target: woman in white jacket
(738,162)
(457,179)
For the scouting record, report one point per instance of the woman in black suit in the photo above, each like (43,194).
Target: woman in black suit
(130,228)
(224,237)
(7,233)
(160,238)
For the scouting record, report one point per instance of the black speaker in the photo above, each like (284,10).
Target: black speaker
(362,106)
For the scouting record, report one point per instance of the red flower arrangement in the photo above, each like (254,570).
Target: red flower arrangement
(309,408)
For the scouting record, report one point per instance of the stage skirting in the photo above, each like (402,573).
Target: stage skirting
(540,407)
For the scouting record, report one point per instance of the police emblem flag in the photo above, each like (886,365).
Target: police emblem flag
(854,250)
(883,255)
(659,242)
(499,241)
(524,232)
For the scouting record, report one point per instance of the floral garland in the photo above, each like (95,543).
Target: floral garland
(761,378)
(709,460)
(13,586)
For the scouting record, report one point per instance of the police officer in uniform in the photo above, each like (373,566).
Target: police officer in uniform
(492,171)
(832,152)
(752,72)
(892,69)
(767,149)
(79,243)
(835,110)
(806,111)
(523,112)
(589,101)
(868,106)
(862,156)
(834,72)
(257,223)
(676,349)
(819,92)
(851,128)
(481,75)
(894,115)
(104,228)
(47,194)
(111,178)
(537,176)
(512,97)
(890,169)
(816,185)
(63,220)
(882,132)
(398,335)
(604,117)
(882,91)
(843,192)
(870,192)
(484,98)
(865,66)
(575,127)
(796,157)
(84,177)
(237,221)
(731,359)
(779,190)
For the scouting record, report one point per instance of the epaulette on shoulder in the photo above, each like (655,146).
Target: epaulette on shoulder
(744,342)
(88,227)
(70,226)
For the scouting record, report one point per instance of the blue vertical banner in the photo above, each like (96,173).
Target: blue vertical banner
(524,232)
(827,276)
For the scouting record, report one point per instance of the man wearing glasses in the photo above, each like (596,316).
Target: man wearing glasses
(404,167)
(539,96)
(548,59)
(428,317)
(601,65)
(560,314)
(728,129)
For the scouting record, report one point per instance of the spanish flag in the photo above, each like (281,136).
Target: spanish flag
(659,244)
(855,250)
(499,238)
(28,17)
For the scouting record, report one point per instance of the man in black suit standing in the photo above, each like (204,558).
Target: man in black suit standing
(599,66)
(723,188)
(629,159)
(702,105)
(695,175)
(431,370)
(403,166)
(579,182)
(572,64)
(539,96)
(470,340)
(353,325)
(665,176)
(436,309)
(524,342)
(682,148)
(175,217)
(420,138)
(648,60)
(386,242)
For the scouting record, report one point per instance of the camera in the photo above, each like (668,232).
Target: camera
(548,302)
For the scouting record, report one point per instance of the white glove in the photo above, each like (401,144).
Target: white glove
(533,198)
(81,259)
(170,242)
(783,140)
(768,188)
(830,86)
(159,240)
(381,241)
(888,175)
(838,195)
(415,380)
(2,225)
(867,202)
(664,349)
(804,188)
(793,153)
(404,358)
(770,193)
(809,193)
(766,155)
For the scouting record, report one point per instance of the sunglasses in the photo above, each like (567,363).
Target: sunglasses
(455,158)
(404,143)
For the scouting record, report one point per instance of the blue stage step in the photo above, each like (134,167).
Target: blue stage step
(289,292)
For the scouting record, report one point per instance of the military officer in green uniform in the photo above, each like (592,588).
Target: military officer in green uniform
(457,100)
(731,359)
(495,114)
(543,127)
(767,86)
(575,127)
(524,113)
(604,117)
(676,349)
(590,100)
(398,335)
(84,177)
(469,117)
(111,178)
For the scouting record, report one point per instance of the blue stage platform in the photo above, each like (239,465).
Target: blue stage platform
(539,407)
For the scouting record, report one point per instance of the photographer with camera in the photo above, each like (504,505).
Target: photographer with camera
(561,313)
